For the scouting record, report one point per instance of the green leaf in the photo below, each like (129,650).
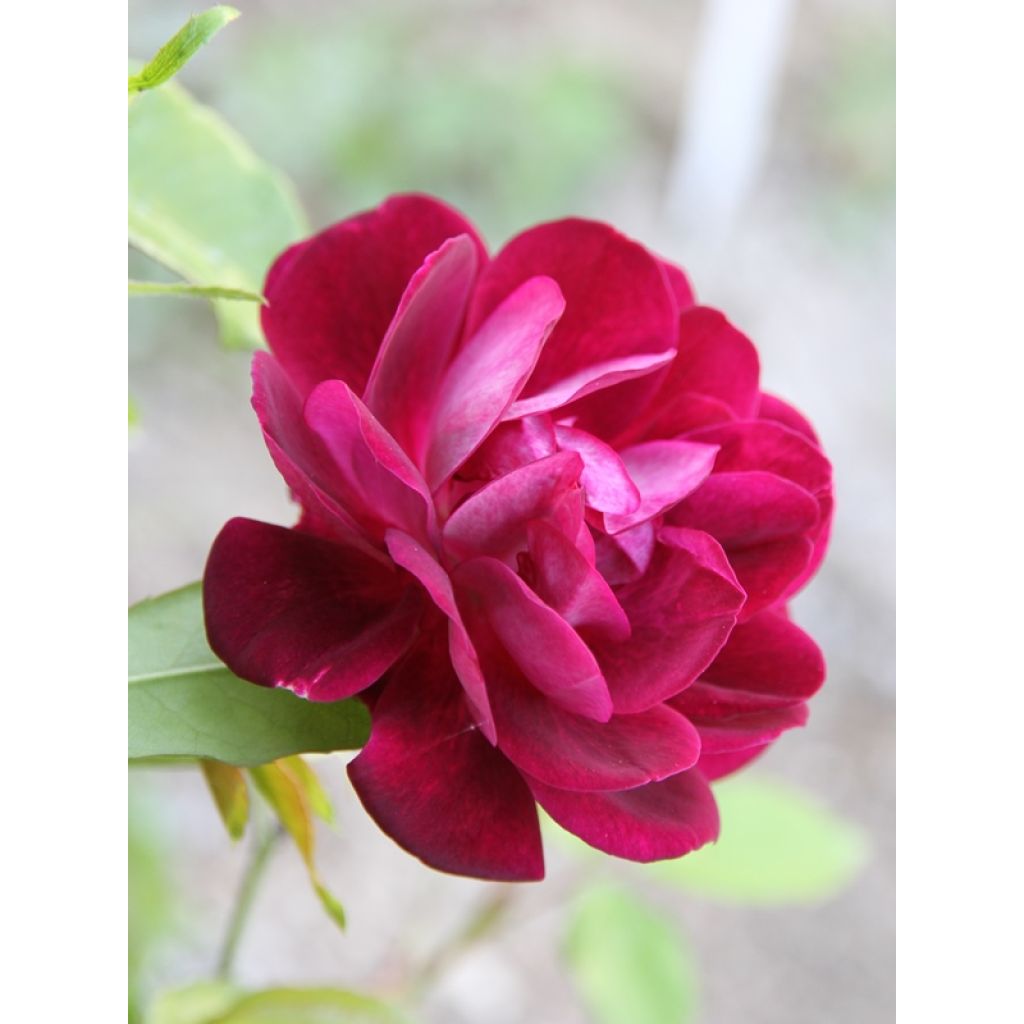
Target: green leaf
(193,291)
(178,50)
(777,846)
(230,793)
(286,792)
(215,1003)
(203,204)
(183,702)
(316,795)
(629,963)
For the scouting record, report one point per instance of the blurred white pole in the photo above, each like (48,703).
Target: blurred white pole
(725,126)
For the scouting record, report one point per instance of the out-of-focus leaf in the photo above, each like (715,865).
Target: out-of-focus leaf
(202,1003)
(214,1003)
(183,702)
(777,846)
(286,793)
(134,418)
(316,795)
(203,204)
(178,50)
(230,794)
(192,291)
(629,963)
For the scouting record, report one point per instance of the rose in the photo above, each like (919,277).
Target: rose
(549,524)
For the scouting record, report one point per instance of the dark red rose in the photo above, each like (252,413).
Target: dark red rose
(549,527)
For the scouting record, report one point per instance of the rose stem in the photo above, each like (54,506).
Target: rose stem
(258,860)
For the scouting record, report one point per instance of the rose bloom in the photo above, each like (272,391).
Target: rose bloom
(549,526)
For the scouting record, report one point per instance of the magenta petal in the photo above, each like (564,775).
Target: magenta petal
(592,378)
(382,487)
(548,651)
(717,766)
(772,408)
(332,297)
(566,580)
(511,445)
(652,822)
(434,784)
(682,611)
(403,387)
(680,285)
(665,472)
(618,302)
(571,752)
(770,572)
(768,658)
(740,509)
(605,478)
(493,520)
(412,556)
(625,557)
(741,732)
(488,373)
(286,609)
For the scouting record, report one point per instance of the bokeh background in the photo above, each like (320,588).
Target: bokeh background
(749,140)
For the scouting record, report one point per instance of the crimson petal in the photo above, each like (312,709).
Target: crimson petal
(287,609)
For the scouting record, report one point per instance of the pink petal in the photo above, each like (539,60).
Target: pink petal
(605,478)
(547,650)
(571,752)
(332,297)
(741,509)
(301,458)
(682,611)
(665,472)
(406,378)
(652,822)
(511,445)
(412,556)
(382,488)
(717,766)
(680,285)
(488,373)
(434,784)
(741,732)
(772,408)
(618,302)
(564,578)
(588,380)
(625,557)
(770,572)
(493,520)
(287,609)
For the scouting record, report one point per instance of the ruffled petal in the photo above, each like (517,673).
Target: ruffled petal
(564,578)
(618,302)
(488,373)
(437,787)
(493,520)
(382,488)
(413,557)
(403,387)
(511,445)
(499,607)
(605,478)
(682,611)
(775,409)
(652,822)
(332,297)
(664,472)
(287,609)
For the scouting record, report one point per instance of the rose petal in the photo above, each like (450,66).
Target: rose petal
(403,387)
(618,302)
(382,488)
(565,579)
(717,766)
(548,651)
(511,445)
(332,297)
(488,373)
(680,285)
(742,509)
(625,557)
(682,611)
(412,556)
(772,408)
(652,822)
(770,572)
(605,478)
(434,784)
(741,732)
(493,520)
(664,472)
(286,609)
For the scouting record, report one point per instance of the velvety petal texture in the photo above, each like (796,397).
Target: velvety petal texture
(548,526)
